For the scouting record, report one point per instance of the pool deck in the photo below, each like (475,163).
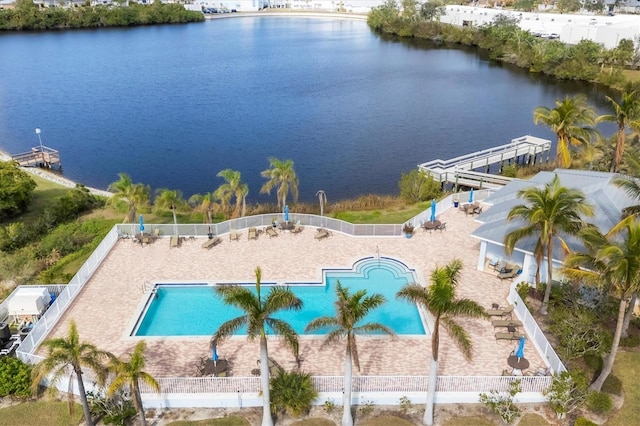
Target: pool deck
(107,308)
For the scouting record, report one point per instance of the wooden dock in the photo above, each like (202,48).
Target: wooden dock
(462,170)
(39,156)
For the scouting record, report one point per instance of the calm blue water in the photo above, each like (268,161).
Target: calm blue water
(173,105)
(197,310)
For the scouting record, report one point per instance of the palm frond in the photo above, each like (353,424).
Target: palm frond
(459,336)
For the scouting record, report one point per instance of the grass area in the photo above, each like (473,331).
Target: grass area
(224,421)
(314,422)
(395,215)
(631,75)
(466,421)
(41,413)
(533,420)
(42,197)
(386,420)
(626,368)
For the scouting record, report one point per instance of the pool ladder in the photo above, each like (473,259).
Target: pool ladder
(148,287)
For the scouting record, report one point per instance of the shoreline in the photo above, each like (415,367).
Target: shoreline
(290,13)
(56,178)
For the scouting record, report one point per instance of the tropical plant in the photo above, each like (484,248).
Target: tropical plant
(203,204)
(129,374)
(282,176)
(259,313)
(440,300)
(546,213)
(134,195)
(351,309)
(172,200)
(418,186)
(70,352)
(502,404)
(573,121)
(16,187)
(631,186)
(611,260)
(322,200)
(233,188)
(292,392)
(15,378)
(567,392)
(625,114)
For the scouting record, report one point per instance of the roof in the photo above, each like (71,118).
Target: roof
(607,200)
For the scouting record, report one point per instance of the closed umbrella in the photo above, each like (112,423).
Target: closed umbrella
(433,210)
(214,352)
(520,350)
(141,224)
(286,213)
(471,196)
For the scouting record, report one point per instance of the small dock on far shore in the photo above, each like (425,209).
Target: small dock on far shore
(462,170)
(39,156)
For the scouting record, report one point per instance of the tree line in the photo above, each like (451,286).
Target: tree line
(506,42)
(26,16)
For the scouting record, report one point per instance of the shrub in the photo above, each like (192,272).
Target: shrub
(583,421)
(599,402)
(510,171)
(630,342)
(418,186)
(15,378)
(566,393)
(405,404)
(366,408)
(115,410)
(292,392)
(579,331)
(502,404)
(612,385)
(523,290)
(329,406)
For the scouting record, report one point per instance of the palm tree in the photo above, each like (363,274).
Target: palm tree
(625,114)
(572,120)
(70,352)
(322,199)
(233,188)
(204,204)
(282,176)
(129,374)
(612,260)
(172,200)
(351,309)
(258,313)
(135,195)
(440,300)
(546,213)
(630,185)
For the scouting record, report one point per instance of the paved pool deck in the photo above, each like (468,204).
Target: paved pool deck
(107,308)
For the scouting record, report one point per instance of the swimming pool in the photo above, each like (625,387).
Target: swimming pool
(196,309)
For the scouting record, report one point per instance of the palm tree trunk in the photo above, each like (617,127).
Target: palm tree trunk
(175,222)
(431,392)
(617,155)
(547,292)
(347,418)
(83,398)
(629,314)
(137,401)
(267,420)
(610,359)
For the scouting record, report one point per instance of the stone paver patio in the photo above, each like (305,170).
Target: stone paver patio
(107,308)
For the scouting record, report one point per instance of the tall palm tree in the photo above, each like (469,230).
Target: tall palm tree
(573,121)
(630,185)
(613,260)
(172,200)
(63,353)
(282,176)
(233,188)
(136,195)
(351,309)
(129,374)
(259,313)
(546,213)
(625,114)
(322,199)
(203,204)
(440,300)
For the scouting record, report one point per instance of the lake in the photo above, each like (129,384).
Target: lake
(173,105)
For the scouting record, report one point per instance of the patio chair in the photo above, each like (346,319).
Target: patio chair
(156,233)
(541,372)
(500,312)
(271,232)
(506,323)
(233,235)
(494,262)
(510,274)
(441,227)
(253,235)
(296,229)
(211,242)
(175,241)
(322,233)
(500,266)
(507,336)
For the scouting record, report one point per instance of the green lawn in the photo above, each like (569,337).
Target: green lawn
(467,421)
(224,421)
(397,215)
(40,413)
(626,368)
(43,196)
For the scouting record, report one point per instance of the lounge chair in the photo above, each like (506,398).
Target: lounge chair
(156,233)
(174,242)
(296,229)
(233,235)
(211,242)
(253,235)
(274,367)
(540,371)
(506,323)
(500,266)
(322,233)
(494,262)
(441,227)
(500,312)
(271,232)
(510,274)
(508,336)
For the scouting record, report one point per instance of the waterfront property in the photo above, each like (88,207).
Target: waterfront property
(107,295)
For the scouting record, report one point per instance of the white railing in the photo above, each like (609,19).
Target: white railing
(446,203)
(534,332)
(65,297)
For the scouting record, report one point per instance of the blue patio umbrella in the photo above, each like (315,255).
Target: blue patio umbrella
(433,211)
(471,196)
(520,349)
(214,352)
(141,224)
(286,213)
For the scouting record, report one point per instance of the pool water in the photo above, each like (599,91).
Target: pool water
(196,309)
